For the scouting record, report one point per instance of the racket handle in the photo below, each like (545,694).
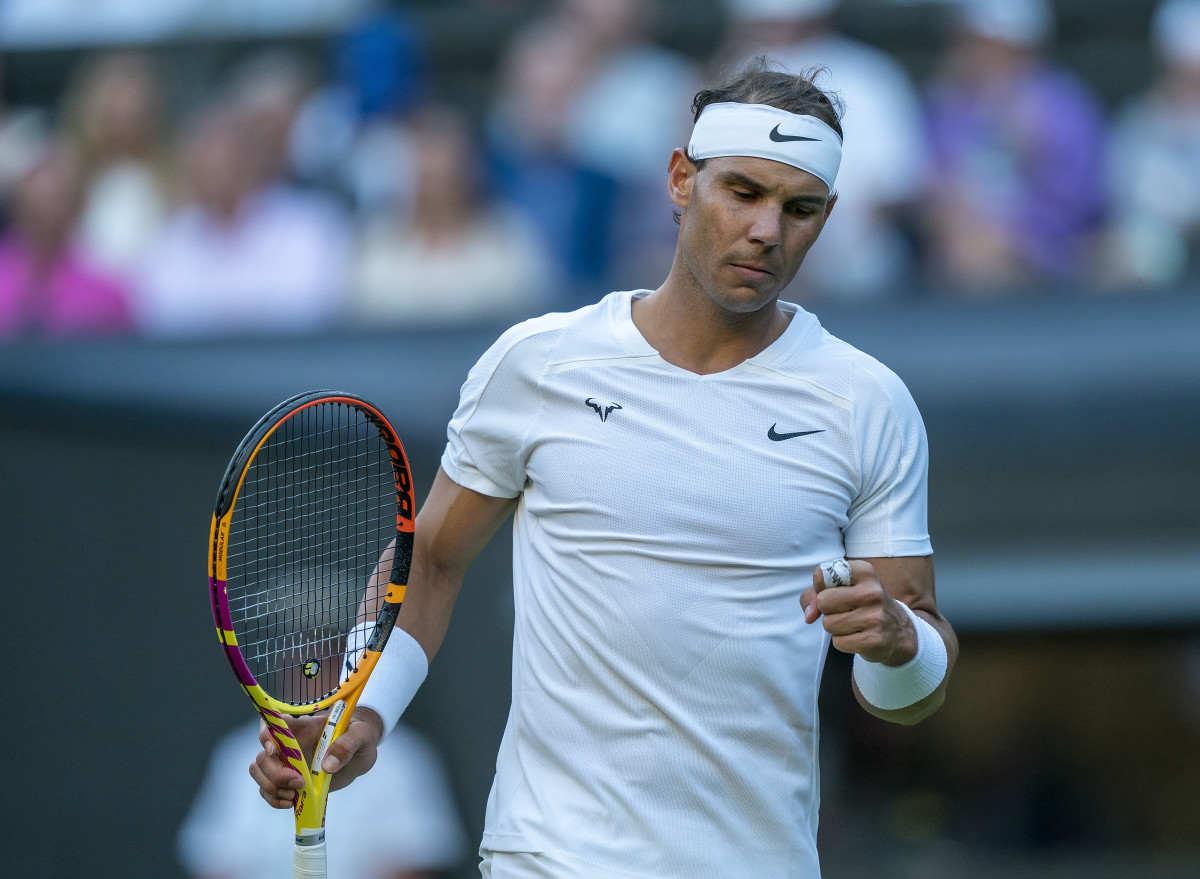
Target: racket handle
(309,861)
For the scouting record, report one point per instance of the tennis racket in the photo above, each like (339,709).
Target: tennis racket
(311,542)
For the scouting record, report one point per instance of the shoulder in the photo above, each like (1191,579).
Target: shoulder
(885,423)
(872,377)
(843,371)
(882,401)
(527,344)
(534,343)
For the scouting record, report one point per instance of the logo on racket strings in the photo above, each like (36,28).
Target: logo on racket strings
(312,668)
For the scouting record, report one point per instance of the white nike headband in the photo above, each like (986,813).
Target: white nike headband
(764,132)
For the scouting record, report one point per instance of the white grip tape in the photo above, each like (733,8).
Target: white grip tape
(836,572)
(398,674)
(892,687)
(309,861)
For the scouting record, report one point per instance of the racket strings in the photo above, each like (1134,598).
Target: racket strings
(316,510)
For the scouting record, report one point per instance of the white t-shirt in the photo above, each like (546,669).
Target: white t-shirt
(664,711)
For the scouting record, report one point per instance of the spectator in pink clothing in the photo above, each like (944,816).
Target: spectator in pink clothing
(47,287)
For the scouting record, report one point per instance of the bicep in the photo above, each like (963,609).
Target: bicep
(455,523)
(453,526)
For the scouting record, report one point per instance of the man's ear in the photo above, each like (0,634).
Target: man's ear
(680,175)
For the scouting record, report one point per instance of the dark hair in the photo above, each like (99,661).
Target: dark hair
(760,81)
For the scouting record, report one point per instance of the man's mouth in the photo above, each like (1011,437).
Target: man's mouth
(751,269)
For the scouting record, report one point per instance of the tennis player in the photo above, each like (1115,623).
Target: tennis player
(681,462)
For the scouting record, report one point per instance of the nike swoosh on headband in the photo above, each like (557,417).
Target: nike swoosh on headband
(797,139)
(784,138)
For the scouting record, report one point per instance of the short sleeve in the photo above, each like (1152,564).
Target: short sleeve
(485,448)
(889,516)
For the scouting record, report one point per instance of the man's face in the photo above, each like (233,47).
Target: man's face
(747,225)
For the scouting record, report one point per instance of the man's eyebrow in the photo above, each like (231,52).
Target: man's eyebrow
(737,178)
(742,180)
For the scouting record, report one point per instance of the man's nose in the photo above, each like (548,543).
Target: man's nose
(767,228)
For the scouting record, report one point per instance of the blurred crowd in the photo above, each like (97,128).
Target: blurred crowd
(308,194)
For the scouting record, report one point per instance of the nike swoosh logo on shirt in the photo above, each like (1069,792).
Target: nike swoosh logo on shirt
(780,437)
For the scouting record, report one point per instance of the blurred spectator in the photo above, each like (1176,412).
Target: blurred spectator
(397,822)
(628,115)
(22,135)
(248,251)
(113,120)
(623,117)
(351,133)
(456,257)
(268,90)
(571,204)
(47,285)
(582,127)
(866,249)
(1017,192)
(1156,161)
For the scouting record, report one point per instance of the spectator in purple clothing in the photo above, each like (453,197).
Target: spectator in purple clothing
(47,286)
(1017,191)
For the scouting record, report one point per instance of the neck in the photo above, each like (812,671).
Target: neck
(701,337)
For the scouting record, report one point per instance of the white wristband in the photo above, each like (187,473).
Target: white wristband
(399,672)
(892,687)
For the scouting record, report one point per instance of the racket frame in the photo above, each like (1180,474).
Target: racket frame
(310,800)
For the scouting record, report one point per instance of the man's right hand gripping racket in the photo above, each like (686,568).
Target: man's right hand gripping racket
(310,548)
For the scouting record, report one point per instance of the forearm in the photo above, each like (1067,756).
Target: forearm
(453,526)
(428,603)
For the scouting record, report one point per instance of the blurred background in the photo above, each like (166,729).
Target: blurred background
(206,207)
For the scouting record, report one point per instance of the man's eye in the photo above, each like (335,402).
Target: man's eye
(744,196)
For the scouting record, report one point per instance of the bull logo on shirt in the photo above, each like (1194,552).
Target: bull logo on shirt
(602,411)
